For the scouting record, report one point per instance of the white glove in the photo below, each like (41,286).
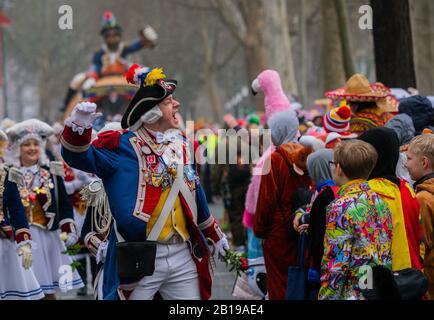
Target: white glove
(89,83)
(71,239)
(150,34)
(26,252)
(82,117)
(220,247)
(102,252)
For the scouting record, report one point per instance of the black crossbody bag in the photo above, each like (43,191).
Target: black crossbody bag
(135,260)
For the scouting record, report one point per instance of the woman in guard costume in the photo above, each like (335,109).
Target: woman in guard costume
(48,207)
(17,280)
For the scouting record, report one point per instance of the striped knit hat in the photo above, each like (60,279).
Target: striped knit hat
(337,119)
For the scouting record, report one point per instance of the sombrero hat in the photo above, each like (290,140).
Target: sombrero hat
(358,89)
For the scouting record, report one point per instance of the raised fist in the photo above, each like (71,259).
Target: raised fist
(82,117)
(150,36)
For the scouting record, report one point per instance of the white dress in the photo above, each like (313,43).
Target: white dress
(16,283)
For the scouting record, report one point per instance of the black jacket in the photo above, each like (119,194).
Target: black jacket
(317,226)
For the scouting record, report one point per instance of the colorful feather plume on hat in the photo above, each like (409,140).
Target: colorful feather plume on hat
(143,76)
(108,20)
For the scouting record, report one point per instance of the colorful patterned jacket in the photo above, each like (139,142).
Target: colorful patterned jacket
(369,118)
(358,233)
(125,161)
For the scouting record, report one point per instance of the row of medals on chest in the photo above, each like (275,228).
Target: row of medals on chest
(29,192)
(160,174)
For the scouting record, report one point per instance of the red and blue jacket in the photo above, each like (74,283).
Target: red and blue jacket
(116,158)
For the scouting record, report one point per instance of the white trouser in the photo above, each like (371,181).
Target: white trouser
(175,275)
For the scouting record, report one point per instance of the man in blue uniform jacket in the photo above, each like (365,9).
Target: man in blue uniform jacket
(154,193)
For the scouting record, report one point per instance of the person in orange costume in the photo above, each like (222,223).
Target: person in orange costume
(274,209)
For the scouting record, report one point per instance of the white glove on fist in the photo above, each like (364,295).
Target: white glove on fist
(71,239)
(150,34)
(220,247)
(26,252)
(82,117)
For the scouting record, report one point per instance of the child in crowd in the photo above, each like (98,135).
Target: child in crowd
(358,225)
(420,165)
(399,197)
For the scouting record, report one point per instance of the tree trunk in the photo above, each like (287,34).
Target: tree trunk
(342,20)
(262,28)
(421,13)
(213,92)
(277,42)
(334,74)
(255,51)
(303,53)
(211,73)
(44,95)
(393,43)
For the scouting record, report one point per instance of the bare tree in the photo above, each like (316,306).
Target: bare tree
(393,43)
(332,57)
(303,52)
(212,66)
(423,28)
(341,11)
(261,27)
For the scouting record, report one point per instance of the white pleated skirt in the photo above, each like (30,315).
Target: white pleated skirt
(16,283)
(52,268)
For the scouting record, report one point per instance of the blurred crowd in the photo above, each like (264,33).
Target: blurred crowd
(308,200)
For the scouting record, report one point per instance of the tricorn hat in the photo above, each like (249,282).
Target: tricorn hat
(153,89)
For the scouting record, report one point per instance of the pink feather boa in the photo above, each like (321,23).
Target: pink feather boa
(253,190)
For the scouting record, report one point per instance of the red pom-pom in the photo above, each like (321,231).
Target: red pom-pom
(344,112)
(129,75)
(108,15)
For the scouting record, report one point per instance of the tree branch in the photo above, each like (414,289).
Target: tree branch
(228,58)
(193,5)
(231,16)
